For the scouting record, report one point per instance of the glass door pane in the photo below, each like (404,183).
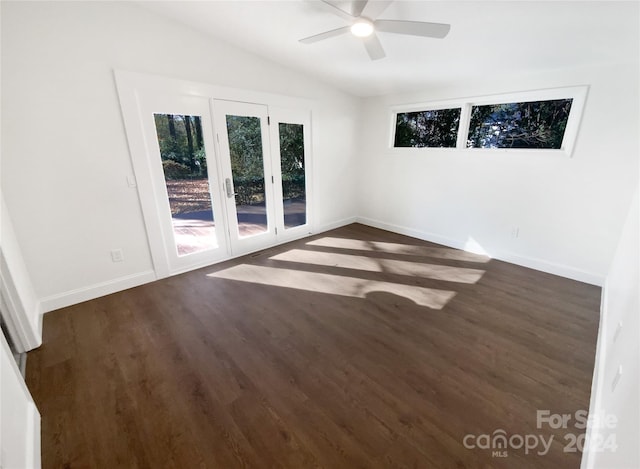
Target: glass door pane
(184,164)
(242,131)
(247,169)
(291,148)
(292,167)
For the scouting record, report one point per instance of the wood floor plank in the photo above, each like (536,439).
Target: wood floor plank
(260,370)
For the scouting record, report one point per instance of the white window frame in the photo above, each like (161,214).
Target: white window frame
(577,93)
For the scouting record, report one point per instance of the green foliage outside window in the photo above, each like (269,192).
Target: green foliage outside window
(292,160)
(180,140)
(438,128)
(247,166)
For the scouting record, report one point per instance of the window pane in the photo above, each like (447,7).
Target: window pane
(247,167)
(536,124)
(427,128)
(293,174)
(185,172)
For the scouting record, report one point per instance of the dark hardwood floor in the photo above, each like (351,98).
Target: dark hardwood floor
(356,348)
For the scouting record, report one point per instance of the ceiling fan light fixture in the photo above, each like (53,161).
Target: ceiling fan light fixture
(362,28)
(363,24)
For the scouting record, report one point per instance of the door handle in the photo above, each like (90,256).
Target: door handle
(229,187)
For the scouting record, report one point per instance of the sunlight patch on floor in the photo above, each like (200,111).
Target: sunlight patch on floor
(396,248)
(333,284)
(373,264)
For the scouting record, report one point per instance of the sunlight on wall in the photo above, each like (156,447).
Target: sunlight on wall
(396,248)
(373,264)
(473,246)
(333,284)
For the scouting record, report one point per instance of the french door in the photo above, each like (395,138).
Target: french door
(185,181)
(290,149)
(227,178)
(242,133)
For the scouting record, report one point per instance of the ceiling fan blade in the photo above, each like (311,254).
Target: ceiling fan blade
(335,10)
(325,35)
(374,8)
(357,6)
(374,47)
(413,28)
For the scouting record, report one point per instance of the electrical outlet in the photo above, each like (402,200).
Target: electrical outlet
(117,255)
(515,232)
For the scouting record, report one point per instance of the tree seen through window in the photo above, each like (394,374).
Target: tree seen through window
(434,128)
(535,124)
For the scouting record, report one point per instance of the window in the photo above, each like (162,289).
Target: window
(184,164)
(433,128)
(536,124)
(542,121)
(294,190)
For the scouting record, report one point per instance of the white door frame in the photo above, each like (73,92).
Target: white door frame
(134,89)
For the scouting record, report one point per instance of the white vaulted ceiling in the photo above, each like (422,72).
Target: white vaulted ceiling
(486,38)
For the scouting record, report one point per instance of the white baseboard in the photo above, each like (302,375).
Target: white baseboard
(403,230)
(79,295)
(551,268)
(524,261)
(333,225)
(61,300)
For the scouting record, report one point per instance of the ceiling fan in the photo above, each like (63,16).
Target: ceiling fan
(363,24)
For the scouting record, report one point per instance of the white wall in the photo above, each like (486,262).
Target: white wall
(568,210)
(620,305)
(64,152)
(65,157)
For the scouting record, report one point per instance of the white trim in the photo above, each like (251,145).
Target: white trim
(61,300)
(221,110)
(32,448)
(577,93)
(588,455)
(334,225)
(430,105)
(130,107)
(287,116)
(155,200)
(506,256)
(128,82)
(206,264)
(23,334)
(549,267)
(403,230)
(72,297)
(465,120)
